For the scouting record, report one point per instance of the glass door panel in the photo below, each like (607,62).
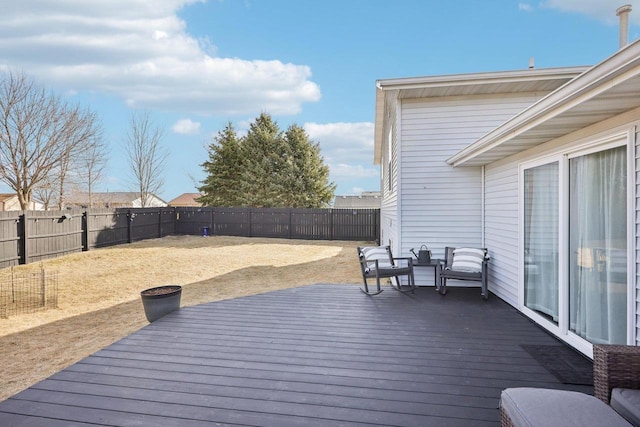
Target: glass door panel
(598,246)
(541,213)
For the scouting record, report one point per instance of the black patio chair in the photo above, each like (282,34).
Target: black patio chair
(464,264)
(378,262)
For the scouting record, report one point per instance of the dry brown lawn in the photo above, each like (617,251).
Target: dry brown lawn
(98,292)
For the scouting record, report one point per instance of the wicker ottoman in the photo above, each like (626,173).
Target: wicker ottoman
(532,407)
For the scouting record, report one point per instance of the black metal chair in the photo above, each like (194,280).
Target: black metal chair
(378,262)
(462,270)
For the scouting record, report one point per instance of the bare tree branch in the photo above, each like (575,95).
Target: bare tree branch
(39,134)
(147,158)
(92,164)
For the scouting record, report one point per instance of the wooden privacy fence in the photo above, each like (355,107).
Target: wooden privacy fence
(312,224)
(31,236)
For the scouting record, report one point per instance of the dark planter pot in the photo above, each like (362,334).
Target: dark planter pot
(160,301)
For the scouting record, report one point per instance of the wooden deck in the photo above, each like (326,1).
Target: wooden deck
(316,355)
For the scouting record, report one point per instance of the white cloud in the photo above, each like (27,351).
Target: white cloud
(344,142)
(186,127)
(348,151)
(344,171)
(525,7)
(604,10)
(139,50)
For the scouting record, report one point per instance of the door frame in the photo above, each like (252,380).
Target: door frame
(594,144)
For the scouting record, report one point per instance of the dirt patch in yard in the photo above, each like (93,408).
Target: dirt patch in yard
(98,292)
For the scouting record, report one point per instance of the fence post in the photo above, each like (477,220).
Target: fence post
(331,224)
(250,222)
(24,235)
(85,230)
(212,225)
(159,222)
(130,226)
(290,224)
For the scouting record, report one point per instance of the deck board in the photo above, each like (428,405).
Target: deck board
(316,355)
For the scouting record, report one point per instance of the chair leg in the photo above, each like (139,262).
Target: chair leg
(443,286)
(410,287)
(485,292)
(366,288)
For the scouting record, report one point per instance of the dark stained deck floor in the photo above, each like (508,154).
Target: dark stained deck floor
(316,355)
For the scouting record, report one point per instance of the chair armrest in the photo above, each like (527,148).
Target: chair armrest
(615,366)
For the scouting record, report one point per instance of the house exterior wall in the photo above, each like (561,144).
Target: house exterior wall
(501,229)
(636,232)
(153,202)
(442,205)
(389,180)
(502,204)
(13,204)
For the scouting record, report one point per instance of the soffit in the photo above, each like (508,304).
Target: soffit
(604,91)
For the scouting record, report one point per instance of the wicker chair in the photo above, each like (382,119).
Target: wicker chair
(614,366)
(378,262)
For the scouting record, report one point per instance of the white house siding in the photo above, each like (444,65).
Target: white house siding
(389,204)
(501,229)
(636,173)
(442,205)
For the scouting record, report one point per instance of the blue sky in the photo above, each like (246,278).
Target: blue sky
(196,65)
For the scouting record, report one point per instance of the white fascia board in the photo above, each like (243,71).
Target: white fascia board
(378,131)
(614,70)
(479,78)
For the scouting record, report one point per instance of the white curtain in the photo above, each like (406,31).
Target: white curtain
(598,242)
(541,239)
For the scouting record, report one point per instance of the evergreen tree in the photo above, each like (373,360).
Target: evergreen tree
(262,151)
(224,170)
(308,182)
(266,168)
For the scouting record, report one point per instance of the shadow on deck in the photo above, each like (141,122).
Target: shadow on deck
(315,355)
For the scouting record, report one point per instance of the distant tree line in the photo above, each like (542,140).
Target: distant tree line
(50,147)
(265,168)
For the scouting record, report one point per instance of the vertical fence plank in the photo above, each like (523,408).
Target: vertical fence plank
(10,240)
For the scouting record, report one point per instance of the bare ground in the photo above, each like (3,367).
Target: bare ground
(98,292)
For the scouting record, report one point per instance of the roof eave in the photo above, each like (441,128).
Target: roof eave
(533,74)
(619,67)
(379,126)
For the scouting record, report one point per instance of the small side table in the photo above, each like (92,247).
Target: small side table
(434,263)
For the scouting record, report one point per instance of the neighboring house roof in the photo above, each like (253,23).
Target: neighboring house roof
(605,90)
(186,199)
(6,196)
(367,200)
(503,82)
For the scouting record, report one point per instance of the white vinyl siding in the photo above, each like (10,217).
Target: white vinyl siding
(442,205)
(636,196)
(388,174)
(501,230)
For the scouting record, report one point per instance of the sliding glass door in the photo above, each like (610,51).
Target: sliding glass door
(574,228)
(541,211)
(598,246)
